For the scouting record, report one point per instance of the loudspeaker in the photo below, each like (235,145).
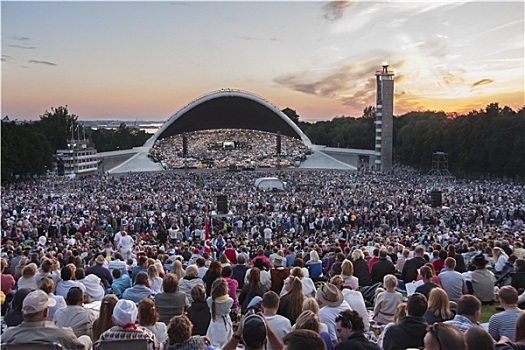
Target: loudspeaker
(184,145)
(222,204)
(435,199)
(278,142)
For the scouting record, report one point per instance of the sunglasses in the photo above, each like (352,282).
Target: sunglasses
(436,332)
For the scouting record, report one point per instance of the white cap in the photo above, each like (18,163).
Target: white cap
(125,312)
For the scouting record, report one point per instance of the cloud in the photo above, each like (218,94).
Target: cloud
(42,62)
(16,46)
(325,87)
(353,84)
(337,82)
(481,82)
(20,38)
(334,10)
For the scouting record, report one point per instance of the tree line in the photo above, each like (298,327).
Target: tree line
(485,143)
(28,148)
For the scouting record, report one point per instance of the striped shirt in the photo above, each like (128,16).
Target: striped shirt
(504,324)
(118,333)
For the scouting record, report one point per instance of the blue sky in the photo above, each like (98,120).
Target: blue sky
(147,60)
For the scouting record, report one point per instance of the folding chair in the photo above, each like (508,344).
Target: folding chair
(31,346)
(126,344)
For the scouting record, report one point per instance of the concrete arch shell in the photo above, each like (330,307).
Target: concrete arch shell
(229,109)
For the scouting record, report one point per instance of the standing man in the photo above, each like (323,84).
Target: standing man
(126,245)
(268,234)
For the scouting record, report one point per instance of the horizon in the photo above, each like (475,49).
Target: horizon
(147,60)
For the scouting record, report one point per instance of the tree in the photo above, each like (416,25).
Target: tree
(57,125)
(369,112)
(25,151)
(292,114)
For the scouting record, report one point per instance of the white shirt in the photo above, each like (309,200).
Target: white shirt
(126,243)
(117,238)
(357,303)
(327,315)
(267,233)
(280,325)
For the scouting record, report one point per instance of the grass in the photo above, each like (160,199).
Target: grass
(487,311)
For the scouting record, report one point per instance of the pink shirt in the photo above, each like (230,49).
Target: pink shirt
(232,291)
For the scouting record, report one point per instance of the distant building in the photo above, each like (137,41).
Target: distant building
(384,119)
(78,160)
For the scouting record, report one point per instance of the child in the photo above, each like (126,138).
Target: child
(199,312)
(220,330)
(386,302)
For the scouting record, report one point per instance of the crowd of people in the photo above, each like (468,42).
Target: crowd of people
(219,149)
(324,264)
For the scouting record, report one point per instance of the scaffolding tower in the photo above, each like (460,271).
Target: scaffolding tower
(440,166)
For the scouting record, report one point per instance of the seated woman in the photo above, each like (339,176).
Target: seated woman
(438,307)
(105,316)
(253,288)
(148,317)
(315,265)
(170,302)
(48,286)
(181,338)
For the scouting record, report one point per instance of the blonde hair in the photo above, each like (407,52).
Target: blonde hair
(314,256)
(177,269)
(73,270)
(347,268)
(308,320)
(152,272)
(311,304)
(390,281)
(439,304)
(357,254)
(497,252)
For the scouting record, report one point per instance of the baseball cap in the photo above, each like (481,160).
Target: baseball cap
(125,312)
(36,301)
(254,331)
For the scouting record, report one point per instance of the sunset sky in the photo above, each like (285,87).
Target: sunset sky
(146,60)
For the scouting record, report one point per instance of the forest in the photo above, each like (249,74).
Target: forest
(28,148)
(484,143)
